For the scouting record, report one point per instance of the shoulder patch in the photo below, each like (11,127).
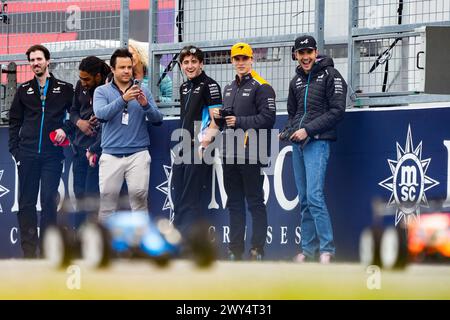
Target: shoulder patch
(258,78)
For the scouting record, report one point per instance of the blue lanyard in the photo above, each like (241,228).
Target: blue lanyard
(43,98)
(44,94)
(304,101)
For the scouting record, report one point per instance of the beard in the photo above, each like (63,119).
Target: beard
(40,72)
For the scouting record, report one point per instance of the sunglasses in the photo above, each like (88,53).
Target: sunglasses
(190,50)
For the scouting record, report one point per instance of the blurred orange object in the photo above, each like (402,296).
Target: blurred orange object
(430,235)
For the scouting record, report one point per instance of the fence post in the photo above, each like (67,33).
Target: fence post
(319,24)
(153,66)
(9,90)
(351,52)
(124,22)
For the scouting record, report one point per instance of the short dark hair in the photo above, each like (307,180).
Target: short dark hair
(38,47)
(94,65)
(191,51)
(120,53)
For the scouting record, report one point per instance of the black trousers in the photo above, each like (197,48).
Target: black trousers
(85,183)
(188,184)
(245,182)
(35,170)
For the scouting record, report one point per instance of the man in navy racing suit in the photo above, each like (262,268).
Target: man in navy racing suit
(249,106)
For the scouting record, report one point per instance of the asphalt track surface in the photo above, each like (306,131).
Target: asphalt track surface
(34,279)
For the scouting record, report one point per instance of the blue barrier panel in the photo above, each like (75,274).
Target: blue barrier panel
(358,172)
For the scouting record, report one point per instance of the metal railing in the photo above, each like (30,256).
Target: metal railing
(270,27)
(385,47)
(70,30)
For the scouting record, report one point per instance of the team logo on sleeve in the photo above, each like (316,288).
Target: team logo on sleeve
(338,86)
(214,91)
(271,104)
(408,182)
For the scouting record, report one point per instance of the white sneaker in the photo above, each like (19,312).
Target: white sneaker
(325,258)
(300,258)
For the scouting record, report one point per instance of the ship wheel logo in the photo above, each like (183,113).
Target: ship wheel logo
(409,181)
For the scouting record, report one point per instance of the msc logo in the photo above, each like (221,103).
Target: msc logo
(409,181)
(165,188)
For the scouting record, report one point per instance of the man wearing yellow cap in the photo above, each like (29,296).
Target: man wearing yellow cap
(248,107)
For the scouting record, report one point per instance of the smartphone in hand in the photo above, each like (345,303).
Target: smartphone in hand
(137,82)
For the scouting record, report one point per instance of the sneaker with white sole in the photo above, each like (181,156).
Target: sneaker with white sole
(256,254)
(233,257)
(300,258)
(325,258)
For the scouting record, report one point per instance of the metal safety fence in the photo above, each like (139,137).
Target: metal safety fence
(389,52)
(269,26)
(71,30)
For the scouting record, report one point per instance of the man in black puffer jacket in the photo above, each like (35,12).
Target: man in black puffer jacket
(316,103)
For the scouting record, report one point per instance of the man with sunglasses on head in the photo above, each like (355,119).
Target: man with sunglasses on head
(199,96)
(249,105)
(124,107)
(316,103)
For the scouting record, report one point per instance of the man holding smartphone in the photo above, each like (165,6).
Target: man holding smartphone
(124,107)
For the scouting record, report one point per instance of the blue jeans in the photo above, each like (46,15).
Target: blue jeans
(85,182)
(310,165)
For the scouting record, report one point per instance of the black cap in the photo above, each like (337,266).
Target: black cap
(305,42)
